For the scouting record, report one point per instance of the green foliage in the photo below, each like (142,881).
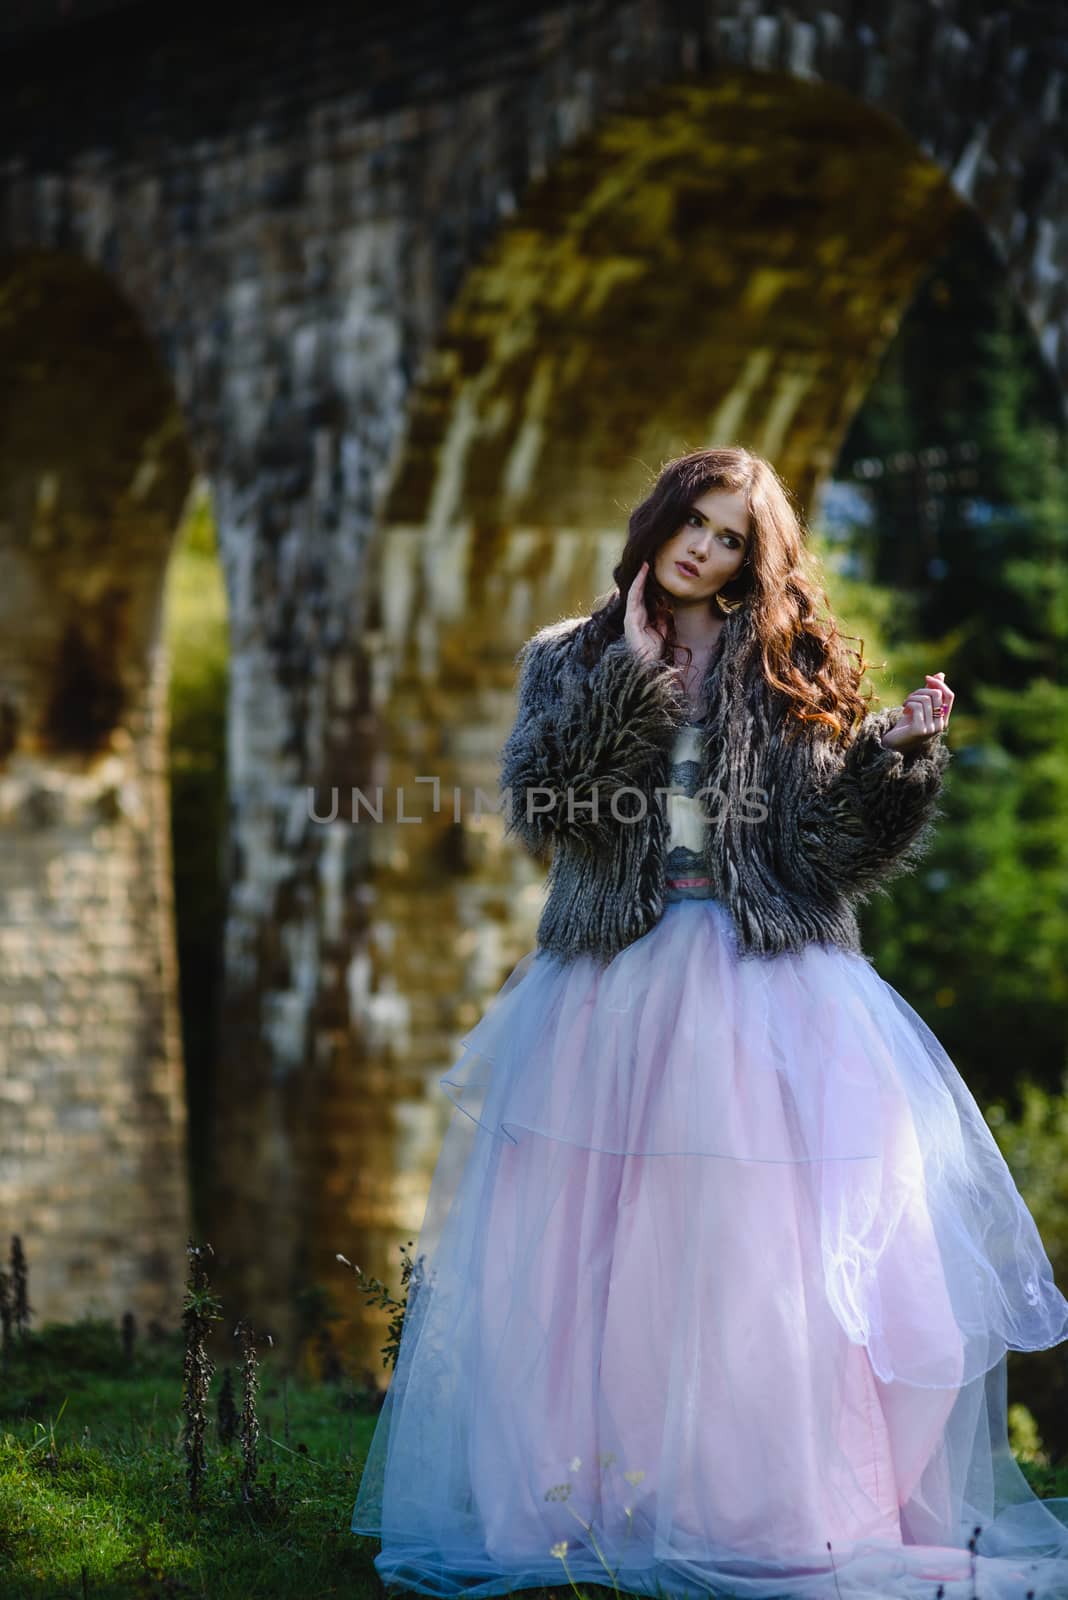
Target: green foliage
(961,453)
(961,456)
(1010,962)
(90,1346)
(92,1470)
(1033,1143)
(77,1352)
(378,1294)
(960,446)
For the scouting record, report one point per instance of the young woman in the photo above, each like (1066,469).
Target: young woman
(718,1273)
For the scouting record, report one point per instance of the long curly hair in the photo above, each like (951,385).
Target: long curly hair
(803,655)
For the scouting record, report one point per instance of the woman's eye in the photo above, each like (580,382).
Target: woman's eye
(735,542)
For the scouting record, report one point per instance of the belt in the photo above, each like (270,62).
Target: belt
(688,889)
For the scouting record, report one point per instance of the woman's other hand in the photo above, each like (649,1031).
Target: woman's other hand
(925,712)
(638,631)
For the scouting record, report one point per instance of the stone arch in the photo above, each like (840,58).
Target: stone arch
(296,266)
(722,262)
(94,468)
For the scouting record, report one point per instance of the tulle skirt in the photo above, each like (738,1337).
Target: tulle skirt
(718,1270)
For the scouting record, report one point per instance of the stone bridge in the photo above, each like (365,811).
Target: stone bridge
(425,299)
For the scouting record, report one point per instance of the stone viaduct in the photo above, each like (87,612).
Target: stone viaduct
(425,296)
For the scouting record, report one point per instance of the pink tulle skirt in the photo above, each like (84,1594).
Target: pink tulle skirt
(718,1271)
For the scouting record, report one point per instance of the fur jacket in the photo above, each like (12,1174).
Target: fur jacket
(800,830)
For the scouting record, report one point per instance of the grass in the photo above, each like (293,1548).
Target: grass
(94,1500)
(93,1494)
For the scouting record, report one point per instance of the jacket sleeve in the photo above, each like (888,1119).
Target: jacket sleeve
(579,735)
(872,817)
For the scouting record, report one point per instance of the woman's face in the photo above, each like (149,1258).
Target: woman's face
(713,540)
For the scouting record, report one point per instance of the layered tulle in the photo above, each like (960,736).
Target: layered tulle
(717,1275)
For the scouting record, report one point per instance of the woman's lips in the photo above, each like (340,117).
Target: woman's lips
(691,572)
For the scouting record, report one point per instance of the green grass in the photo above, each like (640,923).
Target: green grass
(93,1495)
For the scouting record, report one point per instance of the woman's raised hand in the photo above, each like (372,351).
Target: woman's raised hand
(925,711)
(638,631)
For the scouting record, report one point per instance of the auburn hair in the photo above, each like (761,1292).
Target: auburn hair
(803,654)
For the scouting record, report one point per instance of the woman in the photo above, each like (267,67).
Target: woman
(718,1273)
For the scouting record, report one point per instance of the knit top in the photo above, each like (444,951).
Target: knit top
(684,864)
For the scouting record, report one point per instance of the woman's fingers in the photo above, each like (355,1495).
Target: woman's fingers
(939,679)
(634,592)
(642,635)
(926,710)
(634,612)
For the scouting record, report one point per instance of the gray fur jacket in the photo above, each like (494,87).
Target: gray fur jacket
(800,831)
